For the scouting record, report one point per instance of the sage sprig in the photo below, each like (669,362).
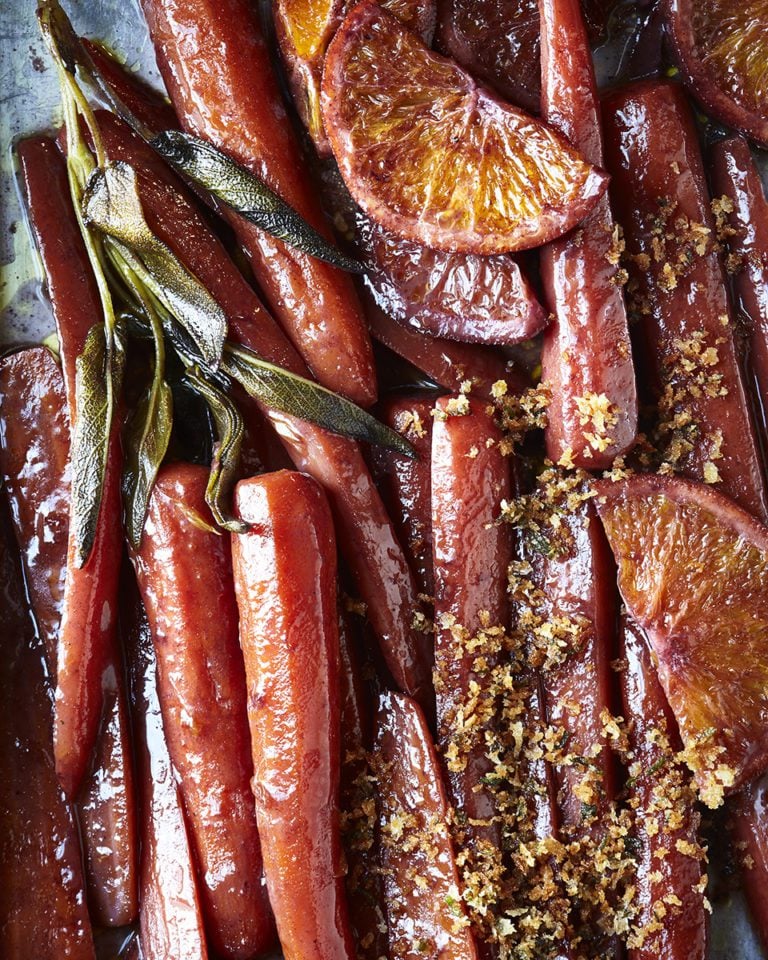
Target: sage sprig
(286,392)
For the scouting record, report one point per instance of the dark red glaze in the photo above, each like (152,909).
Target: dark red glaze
(405,483)
(218,72)
(144,102)
(170,919)
(184,570)
(648,182)
(751,834)
(366,534)
(90,593)
(586,350)
(34,455)
(34,463)
(359,840)
(460,296)
(581,586)
(42,896)
(285,582)
(665,867)
(421,919)
(471,554)
(735,176)
(446,362)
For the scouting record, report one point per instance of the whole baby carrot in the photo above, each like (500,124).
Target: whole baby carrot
(184,570)
(285,582)
(90,592)
(217,68)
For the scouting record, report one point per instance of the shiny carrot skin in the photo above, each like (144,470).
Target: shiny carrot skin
(42,893)
(217,68)
(447,362)
(285,582)
(586,351)
(90,593)
(170,919)
(669,858)
(677,289)
(751,835)
(421,917)
(471,553)
(366,535)
(735,177)
(184,570)
(34,454)
(406,484)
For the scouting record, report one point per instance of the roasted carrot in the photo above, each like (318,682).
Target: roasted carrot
(217,68)
(586,354)
(421,880)
(90,593)
(42,893)
(405,483)
(471,553)
(669,856)
(184,570)
(34,452)
(285,582)
(677,291)
(170,919)
(750,810)
(742,218)
(366,536)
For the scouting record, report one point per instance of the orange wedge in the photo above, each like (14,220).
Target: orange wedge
(304,29)
(722,47)
(437,159)
(693,572)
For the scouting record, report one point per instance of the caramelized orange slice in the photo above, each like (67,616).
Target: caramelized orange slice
(304,29)
(722,46)
(437,159)
(693,571)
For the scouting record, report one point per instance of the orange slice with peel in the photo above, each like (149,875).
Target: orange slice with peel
(304,29)
(722,47)
(437,159)
(693,572)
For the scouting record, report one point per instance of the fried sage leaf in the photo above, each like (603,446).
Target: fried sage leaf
(112,204)
(226,455)
(247,195)
(288,393)
(98,379)
(147,438)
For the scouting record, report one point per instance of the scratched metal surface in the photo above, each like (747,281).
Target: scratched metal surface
(29,103)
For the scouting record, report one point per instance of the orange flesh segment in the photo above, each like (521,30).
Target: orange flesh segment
(693,571)
(437,159)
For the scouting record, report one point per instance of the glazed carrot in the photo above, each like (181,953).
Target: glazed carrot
(586,354)
(421,916)
(750,810)
(471,553)
(90,593)
(34,452)
(405,483)
(184,570)
(170,920)
(285,582)
(447,362)
(357,804)
(671,921)
(42,895)
(677,290)
(743,211)
(366,536)
(216,66)
(145,103)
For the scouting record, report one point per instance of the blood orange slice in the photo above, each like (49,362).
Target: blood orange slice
(437,159)
(722,47)
(693,571)
(304,29)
